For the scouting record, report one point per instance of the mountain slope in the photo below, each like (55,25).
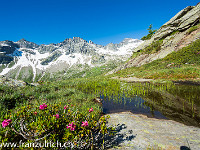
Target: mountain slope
(29,61)
(180,31)
(183,65)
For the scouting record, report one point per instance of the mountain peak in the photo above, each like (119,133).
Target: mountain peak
(26,44)
(74,40)
(22,40)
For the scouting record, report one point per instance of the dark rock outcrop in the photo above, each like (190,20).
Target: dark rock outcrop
(26,44)
(8,47)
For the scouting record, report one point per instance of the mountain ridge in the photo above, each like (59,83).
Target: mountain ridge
(22,58)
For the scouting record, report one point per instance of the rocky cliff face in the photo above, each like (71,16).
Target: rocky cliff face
(6,49)
(178,32)
(182,21)
(24,59)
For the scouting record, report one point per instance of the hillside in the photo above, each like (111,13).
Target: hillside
(172,46)
(181,65)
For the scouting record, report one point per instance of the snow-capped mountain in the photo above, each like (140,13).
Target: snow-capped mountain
(24,59)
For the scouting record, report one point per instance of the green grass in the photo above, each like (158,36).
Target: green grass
(11,64)
(152,48)
(26,74)
(193,28)
(46,92)
(81,71)
(173,33)
(2,67)
(184,65)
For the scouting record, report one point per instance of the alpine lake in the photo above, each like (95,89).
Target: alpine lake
(174,101)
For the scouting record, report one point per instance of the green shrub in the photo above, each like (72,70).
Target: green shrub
(176,31)
(151,32)
(154,47)
(55,122)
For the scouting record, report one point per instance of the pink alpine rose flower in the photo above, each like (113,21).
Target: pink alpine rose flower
(65,107)
(6,122)
(43,106)
(91,109)
(84,124)
(57,116)
(72,126)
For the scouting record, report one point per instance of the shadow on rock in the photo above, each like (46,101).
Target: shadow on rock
(119,137)
(184,148)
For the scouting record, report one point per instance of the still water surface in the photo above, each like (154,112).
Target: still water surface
(167,101)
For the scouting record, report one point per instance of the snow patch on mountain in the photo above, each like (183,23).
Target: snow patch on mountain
(25,60)
(3,44)
(75,58)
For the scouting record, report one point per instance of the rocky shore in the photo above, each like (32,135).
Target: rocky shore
(139,132)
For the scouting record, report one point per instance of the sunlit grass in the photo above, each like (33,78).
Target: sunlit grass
(181,65)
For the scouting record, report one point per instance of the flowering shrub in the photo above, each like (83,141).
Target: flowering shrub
(72,126)
(91,109)
(65,107)
(57,116)
(84,124)
(56,123)
(43,106)
(6,123)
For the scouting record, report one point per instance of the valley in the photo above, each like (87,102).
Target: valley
(138,94)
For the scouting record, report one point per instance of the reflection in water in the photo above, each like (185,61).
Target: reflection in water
(172,101)
(134,105)
(176,102)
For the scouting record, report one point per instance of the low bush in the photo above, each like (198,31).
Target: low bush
(55,122)
(150,34)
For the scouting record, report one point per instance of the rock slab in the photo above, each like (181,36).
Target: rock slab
(155,133)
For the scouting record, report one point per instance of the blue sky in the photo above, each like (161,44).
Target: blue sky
(102,21)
